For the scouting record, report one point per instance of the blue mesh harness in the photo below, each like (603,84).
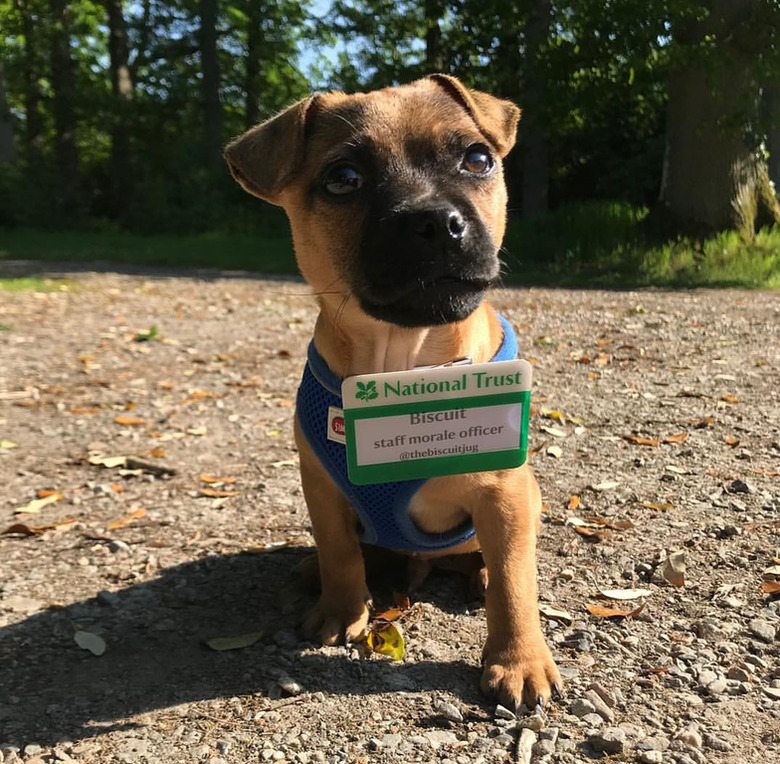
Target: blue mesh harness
(383,508)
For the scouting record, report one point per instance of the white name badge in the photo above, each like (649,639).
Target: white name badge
(438,421)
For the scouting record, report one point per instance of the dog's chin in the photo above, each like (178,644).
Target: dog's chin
(444,302)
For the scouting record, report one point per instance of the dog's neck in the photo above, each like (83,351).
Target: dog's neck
(351,342)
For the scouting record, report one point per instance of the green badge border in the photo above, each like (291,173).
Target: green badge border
(436,466)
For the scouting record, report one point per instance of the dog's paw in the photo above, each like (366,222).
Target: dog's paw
(526,676)
(345,621)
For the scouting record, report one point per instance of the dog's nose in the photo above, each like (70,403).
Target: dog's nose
(440,223)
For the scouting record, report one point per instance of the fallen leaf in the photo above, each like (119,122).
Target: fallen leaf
(110,462)
(210,479)
(90,410)
(673,568)
(387,639)
(555,451)
(8,444)
(640,441)
(393,614)
(284,463)
(624,594)
(596,535)
(663,507)
(221,644)
(158,453)
(217,494)
(773,571)
(770,587)
(555,614)
(86,640)
(701,424)
(36,505)
(273,433)
(165,384)
(152,333)
(130,421)
(729,398)
(676,470)
(122,522)
(554,431)
(610,612)
(730,440)
(197,430)
(680,437)
(559,416)
(20,529)
(573,503)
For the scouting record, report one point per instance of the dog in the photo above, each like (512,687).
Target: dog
(397,205)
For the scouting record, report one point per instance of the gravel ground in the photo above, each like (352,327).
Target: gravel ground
(146,560)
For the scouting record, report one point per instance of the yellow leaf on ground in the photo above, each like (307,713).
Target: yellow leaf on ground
(216,494)
(38,504)
(123,521)
(213,479)
(729,398)
(680,437)
(770,587)
(387,639)
(110,462)
(8,444)
(86,640)
(611,612)
(574,502)
(130,421)
(220,644)
(640,441)
(663,507)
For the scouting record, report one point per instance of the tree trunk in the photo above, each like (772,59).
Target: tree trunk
(64,96)
(212,108)
(771,108)
(434,55)
(32,95)
(714,176)
(253,45)
(122,89)
(7,145)
(536,175)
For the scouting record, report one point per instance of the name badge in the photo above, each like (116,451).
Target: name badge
(440,421)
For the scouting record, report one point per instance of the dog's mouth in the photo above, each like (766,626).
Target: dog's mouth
(433,302)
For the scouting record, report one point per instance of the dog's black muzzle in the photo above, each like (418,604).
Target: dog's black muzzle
(425,264)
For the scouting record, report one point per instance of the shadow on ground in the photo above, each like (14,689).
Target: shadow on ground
(156,656)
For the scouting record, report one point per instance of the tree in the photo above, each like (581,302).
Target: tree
(210,83)
(7,144)
(64,98)
(715,176)
(26,13)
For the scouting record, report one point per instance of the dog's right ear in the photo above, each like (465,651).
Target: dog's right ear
(266,157)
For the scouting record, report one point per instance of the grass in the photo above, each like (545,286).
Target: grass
(34,285)
(597,244)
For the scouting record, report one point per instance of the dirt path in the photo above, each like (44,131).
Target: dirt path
(154,567)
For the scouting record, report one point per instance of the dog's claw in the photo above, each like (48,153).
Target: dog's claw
(557,692)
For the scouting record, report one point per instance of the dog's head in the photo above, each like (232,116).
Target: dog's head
(395,197)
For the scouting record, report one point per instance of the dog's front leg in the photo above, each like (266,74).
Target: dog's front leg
(518,666)
(342,611)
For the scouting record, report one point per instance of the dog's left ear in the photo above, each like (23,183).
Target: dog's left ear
(265,158)
(496,118)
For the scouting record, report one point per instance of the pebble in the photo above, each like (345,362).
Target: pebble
(762,629)
(544,748)
(105,597)
(608,697)
(582,707)
(117,545)
(601,708)
(718,687)
(289,685)
(32,749)
(689,737)
(449,711)
(593,720)
(717,743)
(738,673)
(772,692)
(653,743)
(438,738)
(503,713)
(535,722)
(391,741)
(651,757)
(609,740)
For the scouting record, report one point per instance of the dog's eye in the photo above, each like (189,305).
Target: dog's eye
(342,180)
(477,160)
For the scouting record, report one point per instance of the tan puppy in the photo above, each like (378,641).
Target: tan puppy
(397,202)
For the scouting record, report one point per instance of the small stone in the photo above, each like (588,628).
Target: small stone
(689,737)
(581,707)
(739,674)
(609,740)
(544,748)
(438,738)
(717,743)
(117,546)
(741,486)
(32,749)
(105,597)
(772,692)
(374,744)
(535,722)
(762,629)
(289,685)
(504,713)
(223,746)
(601,708)
(449,711)
(607,696)
(653,743)
(593,720)
(503,740)
(391,741)
(718,687)
(549,733)
(651,757)
(706,676)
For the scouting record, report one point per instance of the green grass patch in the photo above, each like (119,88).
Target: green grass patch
(5,327)
(27,284)
(611,244)
(266,254)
